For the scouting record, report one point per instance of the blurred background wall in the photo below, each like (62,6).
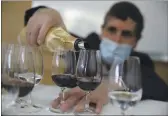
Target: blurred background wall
(13,19)
(91,13)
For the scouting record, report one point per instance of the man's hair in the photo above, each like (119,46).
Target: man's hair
(123,11)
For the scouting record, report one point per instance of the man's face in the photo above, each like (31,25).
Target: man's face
(122,32)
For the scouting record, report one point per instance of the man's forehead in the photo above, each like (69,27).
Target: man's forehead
(121,24)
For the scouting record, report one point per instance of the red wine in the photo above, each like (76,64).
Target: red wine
(65,80)
(9,87)
(26,85)
(87,85)
(25,90)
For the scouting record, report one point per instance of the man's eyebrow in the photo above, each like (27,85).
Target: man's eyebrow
(127,31)
(112,28)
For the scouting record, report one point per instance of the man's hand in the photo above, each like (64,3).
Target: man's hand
(76,97)
(40,23)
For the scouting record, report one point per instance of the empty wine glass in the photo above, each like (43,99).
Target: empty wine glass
(10,82)
(125,88)
(63,72)
(88,74)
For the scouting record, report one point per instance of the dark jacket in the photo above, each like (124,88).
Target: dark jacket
(153,86)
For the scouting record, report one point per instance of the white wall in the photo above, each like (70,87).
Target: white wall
(83,17)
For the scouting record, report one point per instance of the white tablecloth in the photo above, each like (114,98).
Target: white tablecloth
(45,94)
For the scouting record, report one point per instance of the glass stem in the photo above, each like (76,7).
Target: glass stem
(86,99)
(123,113)
(30,99)
(123,109)
(63,95)
(23,101)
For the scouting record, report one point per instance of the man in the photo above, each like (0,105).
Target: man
(123,25)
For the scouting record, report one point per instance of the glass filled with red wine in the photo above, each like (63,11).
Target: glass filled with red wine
(22,68)
(9,82)
(26,74)
(89,74)
(63,72)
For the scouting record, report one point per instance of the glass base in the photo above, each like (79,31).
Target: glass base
(16,109)
(58,110)
(28,109)
(29,104)
(88,111)
(55,110)
(24,108)
(4,108)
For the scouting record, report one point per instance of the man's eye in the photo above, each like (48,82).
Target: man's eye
(127,34)
(112,29)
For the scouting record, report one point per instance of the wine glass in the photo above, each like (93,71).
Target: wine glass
(88,74)
(3,52)
(125,88)
(29,72)
(26,73)
(39,71)
(38,64)
(63,72)
(10,82)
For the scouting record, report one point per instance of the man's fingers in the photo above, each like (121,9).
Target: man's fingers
(94,105)
(67,94)
(99,106)
(70,92)
(42,33)
(71,101)
(56,102)
(28,29)
(80,106)
(34,34)
(71,98)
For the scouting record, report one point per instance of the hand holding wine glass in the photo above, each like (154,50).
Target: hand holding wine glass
(88,73)
(63,72)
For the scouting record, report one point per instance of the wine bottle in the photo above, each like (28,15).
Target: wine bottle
(56,38)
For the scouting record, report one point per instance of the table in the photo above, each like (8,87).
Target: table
(44,94)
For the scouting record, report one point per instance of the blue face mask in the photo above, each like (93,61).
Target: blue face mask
(111,50)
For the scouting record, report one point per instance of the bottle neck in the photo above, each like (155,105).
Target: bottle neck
(80,44)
